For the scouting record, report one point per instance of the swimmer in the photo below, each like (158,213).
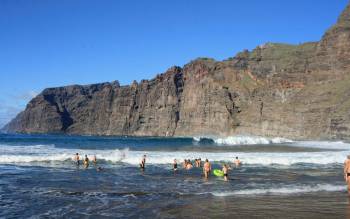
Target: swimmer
(86,161)
(77,159)
(94,160)
(206,168)
(237,162)
(143,162)
(225,170)
(99,169)
(347,172)
(175,165)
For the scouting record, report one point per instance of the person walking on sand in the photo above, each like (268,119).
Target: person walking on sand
(86,161)
(347,172)
(206,168)
(143,162)
(77,159)
(225,170)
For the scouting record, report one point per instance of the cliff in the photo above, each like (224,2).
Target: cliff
(294,91)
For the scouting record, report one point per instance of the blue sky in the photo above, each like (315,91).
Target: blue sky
(55,43)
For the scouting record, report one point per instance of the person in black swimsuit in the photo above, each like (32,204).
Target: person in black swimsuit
(143,163)
(225,170)
(175,165)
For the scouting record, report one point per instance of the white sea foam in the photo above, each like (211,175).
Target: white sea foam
(284,190)
(248,140)
(50,153)
(244,140)
(339,145)
(162,157)
(256,140)
(197,138)
(247,158)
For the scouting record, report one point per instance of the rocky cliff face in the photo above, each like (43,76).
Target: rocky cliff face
(281,90)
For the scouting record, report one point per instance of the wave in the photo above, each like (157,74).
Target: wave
(284,190)
(256,140)
(340,145)
(246,140)
(243,140)
(163,157)
(48,153)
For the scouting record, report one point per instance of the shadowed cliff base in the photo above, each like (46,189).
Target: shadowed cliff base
(293,91)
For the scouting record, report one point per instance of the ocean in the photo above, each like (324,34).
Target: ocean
(278,178)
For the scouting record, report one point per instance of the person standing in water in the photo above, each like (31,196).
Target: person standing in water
(237,162)
(86,161)
(94,160)
(198,162)
(189,165)
(347,172)
(184,164)
(206,168)
(77,159)
(143,162)
(225,170)
(175,165)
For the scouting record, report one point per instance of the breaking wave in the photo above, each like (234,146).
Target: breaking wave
(284,190)
(243,140)
(256,140)
(49,153)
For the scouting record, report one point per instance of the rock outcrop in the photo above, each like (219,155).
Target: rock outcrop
(294,91)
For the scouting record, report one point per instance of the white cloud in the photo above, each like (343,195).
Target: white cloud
(14,104)
(26,96)
(7,113)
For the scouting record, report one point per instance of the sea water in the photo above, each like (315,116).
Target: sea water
(279,178)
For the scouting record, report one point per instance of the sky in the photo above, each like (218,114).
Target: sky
(50,43)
